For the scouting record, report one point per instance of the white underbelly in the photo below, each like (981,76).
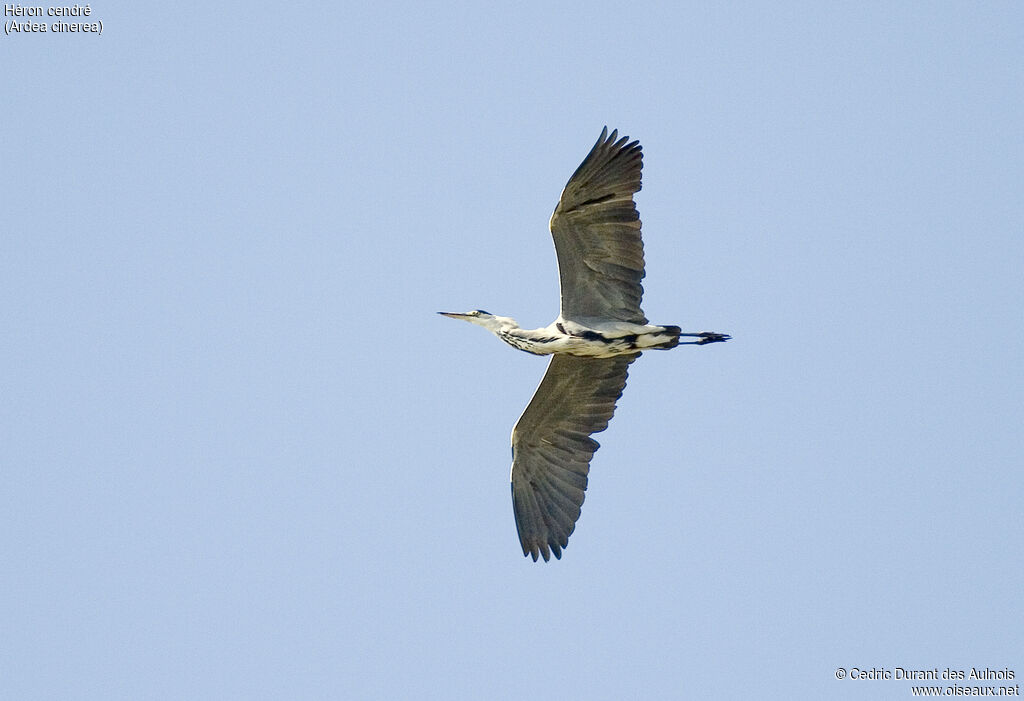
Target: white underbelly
(589,345)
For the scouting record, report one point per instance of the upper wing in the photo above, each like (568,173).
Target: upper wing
(597,234)
(552,447)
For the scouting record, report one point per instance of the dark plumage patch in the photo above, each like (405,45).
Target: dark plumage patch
(595,200)
(534,346)
(598,200)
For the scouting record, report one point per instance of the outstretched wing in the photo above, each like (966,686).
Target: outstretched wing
(552,447)
(596,229)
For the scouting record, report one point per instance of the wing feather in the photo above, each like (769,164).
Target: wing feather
(552,447)
(596,230)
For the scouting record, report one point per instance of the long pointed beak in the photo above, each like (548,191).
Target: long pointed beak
(453,315)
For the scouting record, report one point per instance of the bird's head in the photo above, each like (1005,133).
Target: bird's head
(481,318)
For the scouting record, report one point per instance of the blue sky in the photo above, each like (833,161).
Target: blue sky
(242,458)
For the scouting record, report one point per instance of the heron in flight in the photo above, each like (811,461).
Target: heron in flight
(599,332)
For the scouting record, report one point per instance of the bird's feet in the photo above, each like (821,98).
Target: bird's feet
(711,337)
(704,337)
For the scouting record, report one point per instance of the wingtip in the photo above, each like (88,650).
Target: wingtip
(614,141)
(542,550)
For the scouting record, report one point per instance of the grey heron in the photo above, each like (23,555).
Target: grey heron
(599,332)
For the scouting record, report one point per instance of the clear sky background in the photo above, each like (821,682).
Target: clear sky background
(242,458)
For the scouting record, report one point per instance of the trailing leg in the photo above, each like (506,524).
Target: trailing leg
(705,337)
